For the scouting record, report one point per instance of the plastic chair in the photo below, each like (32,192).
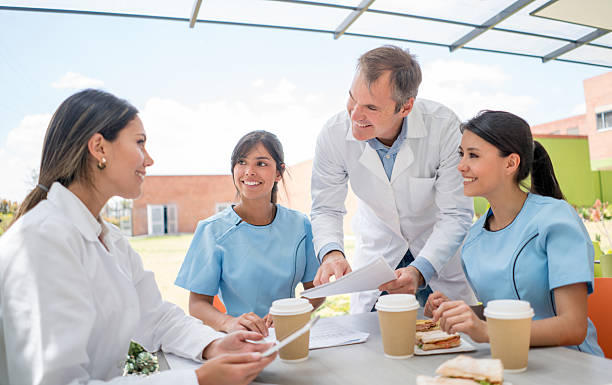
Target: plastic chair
(219,305)
(600,312)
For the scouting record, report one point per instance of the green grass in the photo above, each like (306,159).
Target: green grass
(164,255)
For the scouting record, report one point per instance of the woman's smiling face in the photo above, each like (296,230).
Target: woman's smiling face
(483,169)
(255,174)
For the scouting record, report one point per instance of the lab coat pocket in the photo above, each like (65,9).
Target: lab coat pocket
(421,193)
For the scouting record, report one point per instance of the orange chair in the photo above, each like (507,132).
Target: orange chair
(219,305)
(600,312)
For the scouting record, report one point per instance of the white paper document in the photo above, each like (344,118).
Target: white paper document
(326,334)
(369,277)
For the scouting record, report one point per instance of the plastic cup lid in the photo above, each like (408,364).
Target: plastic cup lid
(508,309)
(397,302)
(290,306)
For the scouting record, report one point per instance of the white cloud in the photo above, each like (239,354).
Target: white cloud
(467,88)
(282,93)
(579,109)
(20,155)
(195,138)
(257,83)
(76,81)
(199,139)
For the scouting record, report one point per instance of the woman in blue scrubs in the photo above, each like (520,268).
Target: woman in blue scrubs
(530,245)
(252,253)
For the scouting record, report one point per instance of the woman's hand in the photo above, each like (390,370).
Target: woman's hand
(232,369)
(457,316)
(247,321)
(269,321)
(434,300)
(235,343)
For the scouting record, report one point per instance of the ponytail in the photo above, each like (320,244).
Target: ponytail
(543,180)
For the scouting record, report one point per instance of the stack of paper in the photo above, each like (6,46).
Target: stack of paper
(368,277)
(328,334)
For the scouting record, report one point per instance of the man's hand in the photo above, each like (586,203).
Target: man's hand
(407,281)
(434,300)
(457,316)
(247,321)
(233,343)
(232,369)
(334,264)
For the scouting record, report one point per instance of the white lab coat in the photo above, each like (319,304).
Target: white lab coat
(422,207)
(69,307)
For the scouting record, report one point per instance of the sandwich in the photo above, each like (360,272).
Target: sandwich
(437,339)
(423,325)
(485,371)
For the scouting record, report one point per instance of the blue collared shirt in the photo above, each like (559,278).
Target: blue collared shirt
(387,157)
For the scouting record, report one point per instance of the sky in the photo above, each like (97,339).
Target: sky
(199,90)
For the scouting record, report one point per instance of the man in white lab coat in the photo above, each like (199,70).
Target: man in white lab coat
(400,155)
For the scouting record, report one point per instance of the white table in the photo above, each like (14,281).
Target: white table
(365,363)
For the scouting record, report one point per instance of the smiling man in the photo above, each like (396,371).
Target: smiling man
(400,155)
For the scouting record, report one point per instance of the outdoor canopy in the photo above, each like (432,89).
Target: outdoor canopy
(575,31)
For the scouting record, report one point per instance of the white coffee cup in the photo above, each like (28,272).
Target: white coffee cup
(397,315)
(289,315)
(509,326)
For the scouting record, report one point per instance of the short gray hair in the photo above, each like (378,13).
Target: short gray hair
(405,71)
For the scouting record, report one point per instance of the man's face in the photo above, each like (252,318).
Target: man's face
(372,110)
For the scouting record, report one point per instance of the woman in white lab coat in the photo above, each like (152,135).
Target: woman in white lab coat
(73,293)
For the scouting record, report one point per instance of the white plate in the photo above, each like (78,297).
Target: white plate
(464,347)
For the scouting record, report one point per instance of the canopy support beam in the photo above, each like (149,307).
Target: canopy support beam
(573,45)
(487,25)
(194,13)
(350,19)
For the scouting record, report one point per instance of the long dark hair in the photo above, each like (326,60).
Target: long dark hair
(511,134)
(272,145)
(65,157)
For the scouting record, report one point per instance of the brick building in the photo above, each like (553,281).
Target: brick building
(175,204)
(596,123)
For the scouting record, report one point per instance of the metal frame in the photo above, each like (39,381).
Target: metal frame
(194,13)
(492,22)
(350,19)
(365,6)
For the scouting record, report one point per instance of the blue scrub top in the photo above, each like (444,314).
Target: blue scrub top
(249,266)
(545,247)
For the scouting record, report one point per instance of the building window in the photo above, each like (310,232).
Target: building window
(604,120)
(162,219)
(573,131)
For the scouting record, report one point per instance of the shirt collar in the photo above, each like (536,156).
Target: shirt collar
(75,210)
(395,147)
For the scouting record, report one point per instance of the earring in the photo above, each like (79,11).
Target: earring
(102,164)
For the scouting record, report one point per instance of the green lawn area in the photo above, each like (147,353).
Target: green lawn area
(164,256)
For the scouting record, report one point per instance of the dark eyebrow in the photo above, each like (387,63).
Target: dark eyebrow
(351,95)
(469,149)
(142,134)
(263,157)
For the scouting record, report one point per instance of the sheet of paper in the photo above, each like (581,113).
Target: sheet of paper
(369,277)
(177,363)
(327,334)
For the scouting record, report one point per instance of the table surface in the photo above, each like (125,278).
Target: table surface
(365,363)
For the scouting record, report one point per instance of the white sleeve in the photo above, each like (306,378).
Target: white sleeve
(47,314)
(456,210)
(328,189)
(165,325)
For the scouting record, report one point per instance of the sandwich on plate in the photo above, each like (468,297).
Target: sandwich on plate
(464,370)
(437,339)
(423,325)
